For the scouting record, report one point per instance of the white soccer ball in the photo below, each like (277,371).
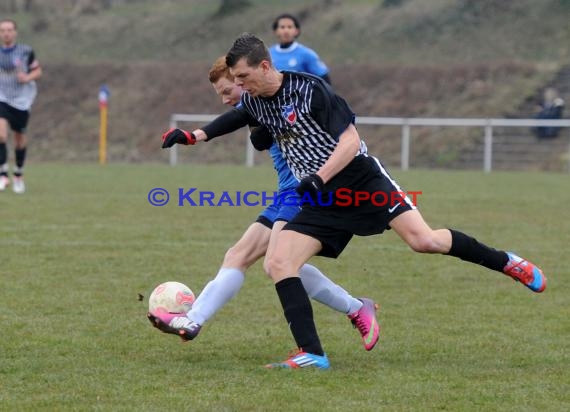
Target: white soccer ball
(172,297)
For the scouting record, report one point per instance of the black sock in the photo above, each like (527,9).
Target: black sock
(20,159)
(299,313)
(3,157)
(469,249)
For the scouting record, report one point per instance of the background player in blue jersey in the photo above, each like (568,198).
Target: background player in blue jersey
(291,55)
(255,242)
(19,69)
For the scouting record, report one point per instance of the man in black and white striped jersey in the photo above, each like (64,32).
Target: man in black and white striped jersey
(315,131)
(19,69)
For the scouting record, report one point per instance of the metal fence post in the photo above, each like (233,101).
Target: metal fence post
(569,150)
(249,150)
(488,149)
(405,156)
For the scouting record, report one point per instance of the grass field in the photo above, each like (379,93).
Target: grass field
(79,246)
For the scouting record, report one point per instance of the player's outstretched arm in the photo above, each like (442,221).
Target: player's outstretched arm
(228,122)
(221,125)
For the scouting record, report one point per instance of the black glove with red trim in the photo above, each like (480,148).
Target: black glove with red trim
(173,136)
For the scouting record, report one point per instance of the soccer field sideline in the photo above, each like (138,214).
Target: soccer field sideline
(454,336)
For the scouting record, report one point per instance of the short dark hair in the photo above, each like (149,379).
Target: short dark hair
(249,46)
(286,16)
(9,21)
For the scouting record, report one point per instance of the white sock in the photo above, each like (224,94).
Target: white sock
(216,294)
(325,291)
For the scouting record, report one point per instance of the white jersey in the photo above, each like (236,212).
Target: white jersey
(19,57)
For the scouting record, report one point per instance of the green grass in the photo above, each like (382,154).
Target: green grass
(80,245)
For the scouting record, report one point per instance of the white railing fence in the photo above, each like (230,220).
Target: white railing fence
(406,124)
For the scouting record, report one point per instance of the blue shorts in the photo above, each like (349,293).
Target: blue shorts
(285,207)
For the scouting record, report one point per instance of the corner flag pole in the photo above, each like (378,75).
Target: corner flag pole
(103,104)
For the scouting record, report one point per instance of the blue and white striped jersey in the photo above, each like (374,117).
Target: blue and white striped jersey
(19,57)
(295,58)
(306,118)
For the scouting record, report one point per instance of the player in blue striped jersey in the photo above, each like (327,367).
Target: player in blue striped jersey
(19,69)
(255,242)
(316,133)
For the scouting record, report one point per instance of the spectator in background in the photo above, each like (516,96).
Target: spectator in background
(291,55)
(551,108)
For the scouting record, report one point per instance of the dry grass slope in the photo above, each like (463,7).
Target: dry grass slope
(438,58)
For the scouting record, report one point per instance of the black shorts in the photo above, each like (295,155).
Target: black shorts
(264,221)
(17,119)
(361,200)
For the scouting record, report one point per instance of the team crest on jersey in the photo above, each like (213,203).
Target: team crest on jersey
(289,113)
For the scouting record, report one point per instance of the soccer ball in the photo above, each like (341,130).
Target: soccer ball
(172,297)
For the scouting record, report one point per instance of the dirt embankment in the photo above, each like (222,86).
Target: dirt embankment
(65,118)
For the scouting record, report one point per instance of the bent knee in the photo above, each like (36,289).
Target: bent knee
(424,244)
(238,258)
(277,266)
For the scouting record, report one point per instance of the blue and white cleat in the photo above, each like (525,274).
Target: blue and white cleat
(525,272)
(301,359)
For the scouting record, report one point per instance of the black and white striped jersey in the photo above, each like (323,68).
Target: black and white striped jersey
(306,118)
(19,57)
